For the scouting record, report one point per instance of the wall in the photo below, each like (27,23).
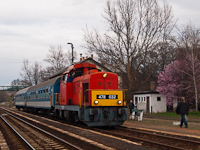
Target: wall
(155,104)
(158,103)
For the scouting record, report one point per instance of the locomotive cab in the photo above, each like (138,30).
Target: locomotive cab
(106,100)
(91,96)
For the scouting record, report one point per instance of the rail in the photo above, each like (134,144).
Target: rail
(30,146)
(45,132)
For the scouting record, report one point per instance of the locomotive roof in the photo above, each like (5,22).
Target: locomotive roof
(22,91)
(145,92)
(69,68)
(44,84)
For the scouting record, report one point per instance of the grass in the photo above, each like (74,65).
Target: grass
(173,114)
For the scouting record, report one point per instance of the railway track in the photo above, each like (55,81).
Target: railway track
(12,137)
(32,136)
(125,136)
(152,139)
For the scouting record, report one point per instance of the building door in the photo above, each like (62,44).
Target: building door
(147,108)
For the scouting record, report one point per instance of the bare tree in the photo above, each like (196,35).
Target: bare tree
(57,59)
(37,73)
(16,82)
(34,74)
(188,43)
(4,96)
(135,27)
(31,74)
(26,73)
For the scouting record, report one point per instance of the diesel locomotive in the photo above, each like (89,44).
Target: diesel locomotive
(81,93)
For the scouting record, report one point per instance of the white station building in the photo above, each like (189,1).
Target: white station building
(150,101)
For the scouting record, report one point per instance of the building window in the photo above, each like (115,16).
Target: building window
(136,100)
(158,98)
(144,99)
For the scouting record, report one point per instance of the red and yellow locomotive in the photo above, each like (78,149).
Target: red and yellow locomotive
(91,96)
(82,93)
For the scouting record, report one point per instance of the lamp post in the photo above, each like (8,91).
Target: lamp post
(72,52)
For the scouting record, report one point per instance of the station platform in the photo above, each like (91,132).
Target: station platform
(164,124)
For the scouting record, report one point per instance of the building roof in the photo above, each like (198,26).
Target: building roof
(88,60)
(145,92)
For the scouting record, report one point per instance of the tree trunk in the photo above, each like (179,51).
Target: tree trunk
(195,85)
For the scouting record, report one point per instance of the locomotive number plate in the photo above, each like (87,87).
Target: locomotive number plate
(107,96)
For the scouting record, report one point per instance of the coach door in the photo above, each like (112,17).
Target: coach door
(51,96)
(147,108)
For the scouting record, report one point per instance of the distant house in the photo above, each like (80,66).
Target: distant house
(150,101)
(99,66)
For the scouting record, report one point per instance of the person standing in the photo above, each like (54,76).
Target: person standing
(183,109)
(135,107)
(131,106)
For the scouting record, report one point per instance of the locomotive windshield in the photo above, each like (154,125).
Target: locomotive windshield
(76,73)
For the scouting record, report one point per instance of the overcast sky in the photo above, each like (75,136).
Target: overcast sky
(29,28)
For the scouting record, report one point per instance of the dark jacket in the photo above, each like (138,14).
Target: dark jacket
(182,108)
(131,106)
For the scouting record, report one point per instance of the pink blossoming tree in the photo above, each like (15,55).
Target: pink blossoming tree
(170,83)
(181,78)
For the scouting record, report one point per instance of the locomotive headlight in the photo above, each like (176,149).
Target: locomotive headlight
(119,101)
(105,75)
(96,102)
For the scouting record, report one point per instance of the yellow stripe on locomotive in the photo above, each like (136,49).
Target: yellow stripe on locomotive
(107,98)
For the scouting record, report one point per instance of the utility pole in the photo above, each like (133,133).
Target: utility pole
(72,52)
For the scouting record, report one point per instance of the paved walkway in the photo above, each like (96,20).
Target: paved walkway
(171,118)
(164,124)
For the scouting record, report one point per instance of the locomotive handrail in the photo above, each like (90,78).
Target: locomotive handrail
(79,97)
(124,102)
(57,98)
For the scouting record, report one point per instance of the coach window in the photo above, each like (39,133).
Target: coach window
(40,94)
(36,94)
(46,92)
(44,95)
